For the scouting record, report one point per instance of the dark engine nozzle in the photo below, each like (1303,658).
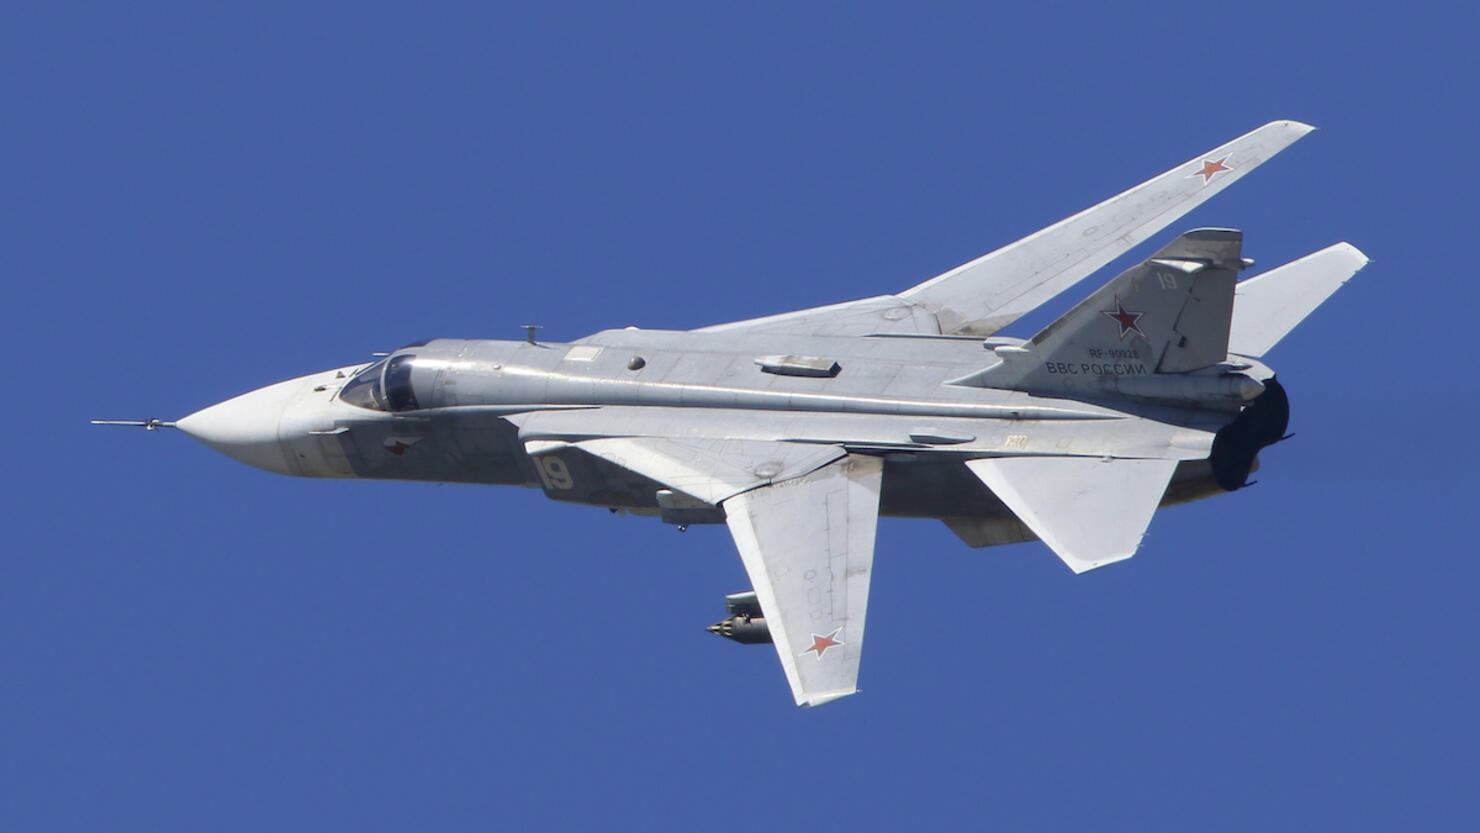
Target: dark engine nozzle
(745,625)
(1261,424)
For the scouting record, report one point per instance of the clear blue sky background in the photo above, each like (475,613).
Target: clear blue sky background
(198,201)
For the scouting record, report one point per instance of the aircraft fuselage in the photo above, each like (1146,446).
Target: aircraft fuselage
(437,412)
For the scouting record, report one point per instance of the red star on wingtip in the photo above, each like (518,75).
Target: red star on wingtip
(820,643)
(1127,320)
(1209,169)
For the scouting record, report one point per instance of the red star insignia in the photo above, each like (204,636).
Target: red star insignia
(1211,168)
(820,644)
(1126,319)
(398,445)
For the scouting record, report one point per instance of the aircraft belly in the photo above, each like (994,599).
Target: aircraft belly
(571,475)
(452,450)
(945,488)
(916,486)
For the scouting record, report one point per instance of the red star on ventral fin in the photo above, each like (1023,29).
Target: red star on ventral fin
(1209,169)
(820,644)
(1126,319)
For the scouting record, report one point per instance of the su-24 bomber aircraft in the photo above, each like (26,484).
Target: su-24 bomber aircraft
(799,430)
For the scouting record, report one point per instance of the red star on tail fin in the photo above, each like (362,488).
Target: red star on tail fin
(1126,319)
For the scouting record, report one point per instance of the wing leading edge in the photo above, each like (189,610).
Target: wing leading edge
(987,294)
(983,296)
(710,470)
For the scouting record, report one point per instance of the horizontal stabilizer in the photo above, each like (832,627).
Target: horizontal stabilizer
(1268,306)
(1090,511)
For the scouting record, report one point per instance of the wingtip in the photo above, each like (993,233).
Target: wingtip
(1290,124)
(1353,252)
(822,698)
(1082,566)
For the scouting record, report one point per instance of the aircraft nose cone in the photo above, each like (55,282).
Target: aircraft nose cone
(246,427)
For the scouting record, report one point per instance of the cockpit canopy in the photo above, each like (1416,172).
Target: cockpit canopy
(383,386)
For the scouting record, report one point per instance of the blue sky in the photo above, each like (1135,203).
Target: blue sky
(199,200)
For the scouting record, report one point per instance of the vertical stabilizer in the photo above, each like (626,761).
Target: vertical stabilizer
(1166,317)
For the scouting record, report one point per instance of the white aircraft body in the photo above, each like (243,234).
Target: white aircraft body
(799,430)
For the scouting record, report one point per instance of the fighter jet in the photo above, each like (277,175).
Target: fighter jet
(799,430)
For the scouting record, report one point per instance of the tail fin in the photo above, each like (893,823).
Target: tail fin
(1168,316)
